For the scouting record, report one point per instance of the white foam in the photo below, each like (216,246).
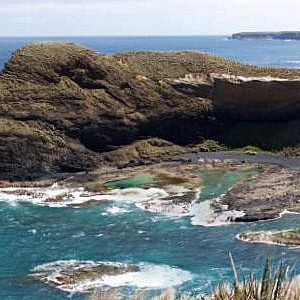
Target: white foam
(139,194)
(73,197)
(288,212)
(115,210)
(156,200)
(168,207)
(78,235)
(204,215)
(149,277)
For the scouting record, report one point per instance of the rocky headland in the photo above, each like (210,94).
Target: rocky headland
(276,35)
(65,108)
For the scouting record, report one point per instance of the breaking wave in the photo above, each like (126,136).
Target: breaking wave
(144,276)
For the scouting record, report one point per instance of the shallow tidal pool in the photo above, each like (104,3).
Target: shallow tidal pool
(170,250)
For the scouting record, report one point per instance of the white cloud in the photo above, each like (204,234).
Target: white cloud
(145,17)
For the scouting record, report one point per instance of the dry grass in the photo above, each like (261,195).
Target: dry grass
(161,65)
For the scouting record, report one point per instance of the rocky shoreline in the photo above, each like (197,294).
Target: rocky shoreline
(173,189)
(263,158)
(169,189)
(265,196)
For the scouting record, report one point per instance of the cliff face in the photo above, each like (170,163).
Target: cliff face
(62,106)
(256,99)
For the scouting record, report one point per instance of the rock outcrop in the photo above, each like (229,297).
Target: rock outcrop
(286,238)
(63,107)
(265,196)
(256,98)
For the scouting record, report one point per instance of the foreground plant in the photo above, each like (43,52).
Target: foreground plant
(272,286)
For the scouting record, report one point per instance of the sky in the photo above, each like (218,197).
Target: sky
(145,17)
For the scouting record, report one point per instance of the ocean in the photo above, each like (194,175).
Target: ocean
(170,250)
(272,53)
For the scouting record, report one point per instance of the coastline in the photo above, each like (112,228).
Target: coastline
(169,198)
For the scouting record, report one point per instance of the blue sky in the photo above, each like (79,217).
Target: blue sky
(145,17)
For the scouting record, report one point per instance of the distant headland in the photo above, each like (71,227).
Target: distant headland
(280,35)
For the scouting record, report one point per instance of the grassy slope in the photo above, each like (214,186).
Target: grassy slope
(161,65)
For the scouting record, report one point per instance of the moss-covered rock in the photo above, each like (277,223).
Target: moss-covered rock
(143,152)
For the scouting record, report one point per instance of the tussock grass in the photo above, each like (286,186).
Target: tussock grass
(271,286)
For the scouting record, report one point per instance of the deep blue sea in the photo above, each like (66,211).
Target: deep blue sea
(258,52)
(31,235)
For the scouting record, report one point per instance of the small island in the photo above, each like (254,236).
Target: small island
(276,35)
(287,238)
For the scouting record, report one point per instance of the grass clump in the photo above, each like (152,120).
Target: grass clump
(144,151)
(271,286)
(209,146)
(251,148)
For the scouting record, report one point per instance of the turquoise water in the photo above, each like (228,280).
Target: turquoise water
(134,181)
(33,235)
(217,183)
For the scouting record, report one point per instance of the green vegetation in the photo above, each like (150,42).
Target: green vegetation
(151,150)
(209,146)
(250,149)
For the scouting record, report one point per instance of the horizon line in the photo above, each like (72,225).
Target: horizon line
(112,36)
